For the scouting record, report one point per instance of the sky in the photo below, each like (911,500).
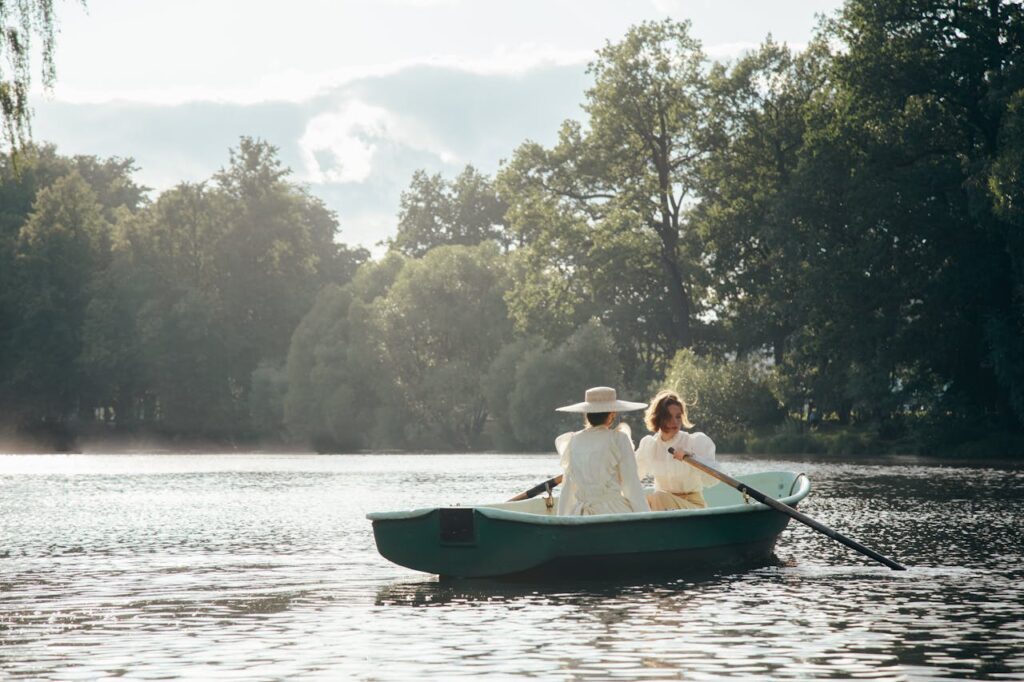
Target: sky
(355,94)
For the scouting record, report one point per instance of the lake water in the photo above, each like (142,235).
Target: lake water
(264,567)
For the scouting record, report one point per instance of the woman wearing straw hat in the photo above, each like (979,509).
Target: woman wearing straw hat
(599,464)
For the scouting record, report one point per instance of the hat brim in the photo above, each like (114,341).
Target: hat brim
(605,406)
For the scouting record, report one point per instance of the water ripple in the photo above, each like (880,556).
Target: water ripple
(263,567)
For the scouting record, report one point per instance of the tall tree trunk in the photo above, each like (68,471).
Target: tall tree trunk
(677,290)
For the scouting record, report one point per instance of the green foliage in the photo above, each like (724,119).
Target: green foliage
(21,22)
(549,377)
(442,324)
(601,216)
(724,398)
(336,389)
(163,314)
(58,223)
(466,211)
(786,441)
(747,215)
(499,386)
(64,240)
(847,220)
(397,358)
(266,400)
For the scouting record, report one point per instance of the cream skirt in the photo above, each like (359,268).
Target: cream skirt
(661,500)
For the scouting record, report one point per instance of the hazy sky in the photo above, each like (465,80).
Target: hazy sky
(355,94)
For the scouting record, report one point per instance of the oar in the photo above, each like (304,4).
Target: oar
(786,509)
(546,486)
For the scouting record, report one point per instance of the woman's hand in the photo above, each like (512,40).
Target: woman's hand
(680,455)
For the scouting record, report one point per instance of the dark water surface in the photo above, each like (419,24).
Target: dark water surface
(263,567)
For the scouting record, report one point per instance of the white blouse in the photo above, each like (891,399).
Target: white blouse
(600,473)
(671,475)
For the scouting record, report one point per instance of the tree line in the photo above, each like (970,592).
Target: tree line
(835,232)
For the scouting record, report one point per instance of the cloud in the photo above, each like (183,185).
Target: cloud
(356,146)
(339,146)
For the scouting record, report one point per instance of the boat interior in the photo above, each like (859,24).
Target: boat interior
(786,486)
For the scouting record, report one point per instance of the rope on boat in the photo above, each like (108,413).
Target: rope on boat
(792,486)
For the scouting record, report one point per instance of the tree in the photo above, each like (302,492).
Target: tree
(441,325)
(202,297)
(276,240)
(748,214)
(1006,184)
(624,182)
(337,389)
(547,376)
(646,109)
(62,245)
(21,22)
(925,91)
(727,398)
(433,212)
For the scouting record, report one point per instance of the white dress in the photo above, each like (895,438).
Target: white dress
(671,475)
(600,473)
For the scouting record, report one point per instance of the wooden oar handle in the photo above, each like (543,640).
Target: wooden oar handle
(538,489)
(786,509)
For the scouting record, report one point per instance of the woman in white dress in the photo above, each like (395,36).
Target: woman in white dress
(677,485)
(599,467)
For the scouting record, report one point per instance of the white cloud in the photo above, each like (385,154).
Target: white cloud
(339,146)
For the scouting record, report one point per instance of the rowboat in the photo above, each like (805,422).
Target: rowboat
(527,539)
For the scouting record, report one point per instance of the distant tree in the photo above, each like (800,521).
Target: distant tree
(190,325)
(548,376)
(59,220)
(749,215)
(725,398)
(632,166)
(442,324)
(1006,184)
(337,389)
(399,356)
(266,400)
(929,290)
(59,250)
(466,211)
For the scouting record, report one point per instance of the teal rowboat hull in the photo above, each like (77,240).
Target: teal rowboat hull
(526,539)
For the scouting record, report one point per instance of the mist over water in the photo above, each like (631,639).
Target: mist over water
(264,567)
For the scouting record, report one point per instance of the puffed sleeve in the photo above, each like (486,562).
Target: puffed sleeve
(562,447)
(630,484)
(644,455)
(703,448)
(651,460)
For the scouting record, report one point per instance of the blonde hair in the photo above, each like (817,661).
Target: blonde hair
(658,410)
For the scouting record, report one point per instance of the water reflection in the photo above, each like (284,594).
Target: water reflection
(264,566)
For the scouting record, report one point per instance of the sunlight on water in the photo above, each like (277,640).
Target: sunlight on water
(264,566)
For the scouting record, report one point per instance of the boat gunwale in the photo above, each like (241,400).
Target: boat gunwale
(802,490)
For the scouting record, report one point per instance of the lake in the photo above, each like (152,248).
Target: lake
(261,566)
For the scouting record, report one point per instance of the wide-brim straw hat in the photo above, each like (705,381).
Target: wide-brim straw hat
(602,399)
